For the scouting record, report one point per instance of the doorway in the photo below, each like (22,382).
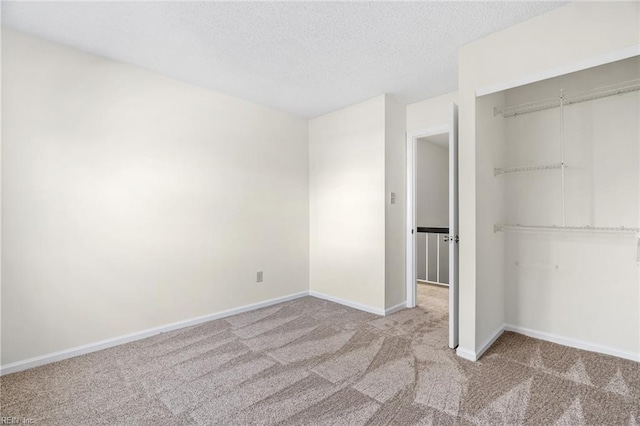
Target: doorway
(432,227)
(432,219)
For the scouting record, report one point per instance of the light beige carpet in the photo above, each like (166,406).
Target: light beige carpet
(310,361)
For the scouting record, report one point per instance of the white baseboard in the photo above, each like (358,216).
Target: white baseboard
(553,338)
(475,355)
(574,343)
(396,308)
(466,354)
(115,341)
(490,341)
(359,306)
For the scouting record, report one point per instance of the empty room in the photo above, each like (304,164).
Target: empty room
(320,213)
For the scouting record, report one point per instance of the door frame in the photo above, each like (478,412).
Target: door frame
(412,138)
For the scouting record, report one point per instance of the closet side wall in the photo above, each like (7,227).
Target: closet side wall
(490,147)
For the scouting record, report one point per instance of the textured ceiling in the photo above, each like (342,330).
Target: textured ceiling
(307,58)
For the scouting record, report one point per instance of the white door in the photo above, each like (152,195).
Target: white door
(453,228)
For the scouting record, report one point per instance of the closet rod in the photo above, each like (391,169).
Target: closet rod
(500,171)
(569,98)
(554,228)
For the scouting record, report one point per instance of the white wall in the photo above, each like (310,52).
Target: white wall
(431,112)
(583,287)
(395,214)
(357,237)
(131,200)
(347,203)
(432,184)
(560,38)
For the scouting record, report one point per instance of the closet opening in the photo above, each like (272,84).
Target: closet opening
(561,233)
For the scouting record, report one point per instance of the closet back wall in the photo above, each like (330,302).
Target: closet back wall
(131,200)
(578,286)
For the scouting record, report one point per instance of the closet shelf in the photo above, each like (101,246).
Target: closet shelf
(554,228)
(569,99)
(500,171)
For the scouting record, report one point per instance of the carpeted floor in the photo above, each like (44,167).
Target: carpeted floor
(310,361)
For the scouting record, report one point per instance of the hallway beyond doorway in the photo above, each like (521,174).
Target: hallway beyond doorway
(434,300)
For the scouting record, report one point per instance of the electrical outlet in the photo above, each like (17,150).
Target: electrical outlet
(259,277)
